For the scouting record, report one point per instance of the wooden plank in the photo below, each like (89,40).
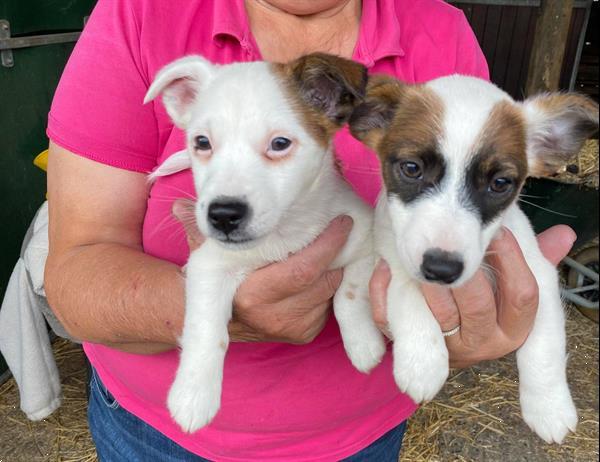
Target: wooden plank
(577,20)
(478,21)
(549,46)
(490,34)
(512,79)
(505,43)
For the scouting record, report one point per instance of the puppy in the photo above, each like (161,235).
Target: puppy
(259,145)
(454,154)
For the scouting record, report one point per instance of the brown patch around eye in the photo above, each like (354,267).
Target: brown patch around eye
(416,125)
(413,135)
(500,153)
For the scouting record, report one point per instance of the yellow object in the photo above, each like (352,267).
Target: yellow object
(41,160)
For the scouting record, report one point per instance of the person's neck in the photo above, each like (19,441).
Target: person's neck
(286,29)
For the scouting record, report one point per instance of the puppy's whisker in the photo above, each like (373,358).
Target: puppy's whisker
(185,193)
(546,209)
(531,196)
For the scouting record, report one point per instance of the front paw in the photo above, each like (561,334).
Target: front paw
(420,368)
(550,415)
(193,404)
(365,348)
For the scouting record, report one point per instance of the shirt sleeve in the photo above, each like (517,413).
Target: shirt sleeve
(97,111)
(470,60)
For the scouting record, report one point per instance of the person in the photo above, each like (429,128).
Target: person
(114,278)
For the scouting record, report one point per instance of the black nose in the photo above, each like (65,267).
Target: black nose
(441,266)
(227,215)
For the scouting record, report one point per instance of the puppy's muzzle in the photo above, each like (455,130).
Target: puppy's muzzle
(228,214)
(441,266)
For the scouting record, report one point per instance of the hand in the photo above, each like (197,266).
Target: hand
(492,324)
(287,301)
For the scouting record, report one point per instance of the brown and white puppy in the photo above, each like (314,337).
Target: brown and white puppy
(454,154)
(259,145)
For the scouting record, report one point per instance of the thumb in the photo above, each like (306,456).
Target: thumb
(556,242)
(184,211)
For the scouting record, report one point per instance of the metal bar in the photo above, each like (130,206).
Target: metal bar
(6,56)
(14,43)
(578,290)
(579,300)
(582,269)
(580,44)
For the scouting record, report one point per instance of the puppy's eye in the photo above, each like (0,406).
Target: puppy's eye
(500,185)
(280,144)
(411,170)
(201,142)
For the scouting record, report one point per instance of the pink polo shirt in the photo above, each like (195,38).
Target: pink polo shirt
(280,402)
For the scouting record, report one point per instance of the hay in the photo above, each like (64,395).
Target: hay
(583,169)
(477,414)
(476,417)
(62,437)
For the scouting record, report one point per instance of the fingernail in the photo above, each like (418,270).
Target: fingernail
(382,265)
(346,221)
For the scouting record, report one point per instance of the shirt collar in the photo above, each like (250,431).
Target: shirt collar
(230,19)
(379,34)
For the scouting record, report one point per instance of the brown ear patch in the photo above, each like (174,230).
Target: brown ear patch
(324,89)
(374,114)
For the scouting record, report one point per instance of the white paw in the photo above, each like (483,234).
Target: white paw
(365,348)
(550,417)
(194,403)
(420,368)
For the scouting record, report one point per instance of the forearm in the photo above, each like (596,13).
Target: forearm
(118,296)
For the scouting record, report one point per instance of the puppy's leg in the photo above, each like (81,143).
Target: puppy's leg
(546,402)
(420,353)
(363,342)
(195,395)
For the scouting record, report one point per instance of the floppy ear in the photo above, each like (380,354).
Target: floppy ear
(371,118)
(557,126)
(329,84)
(179,82)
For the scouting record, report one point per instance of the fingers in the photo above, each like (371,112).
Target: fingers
(378,286)
(477,309)
(301,270)
(556,242)
(517,288)
(442,305)
(184,212)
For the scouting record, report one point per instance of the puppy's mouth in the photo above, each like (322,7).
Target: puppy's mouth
(238,242)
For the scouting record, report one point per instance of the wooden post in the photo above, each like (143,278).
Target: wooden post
(549,44)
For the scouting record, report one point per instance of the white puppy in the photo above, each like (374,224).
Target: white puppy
(454,154)
(259,142)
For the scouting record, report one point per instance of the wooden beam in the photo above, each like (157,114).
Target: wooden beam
(549,42)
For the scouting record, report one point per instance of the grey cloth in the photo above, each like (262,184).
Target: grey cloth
(24,338)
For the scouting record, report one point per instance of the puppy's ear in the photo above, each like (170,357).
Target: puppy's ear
(371,118)
(557,126)
(329,84)
(179,82)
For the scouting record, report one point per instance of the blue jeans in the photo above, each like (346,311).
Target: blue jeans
(122,437)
